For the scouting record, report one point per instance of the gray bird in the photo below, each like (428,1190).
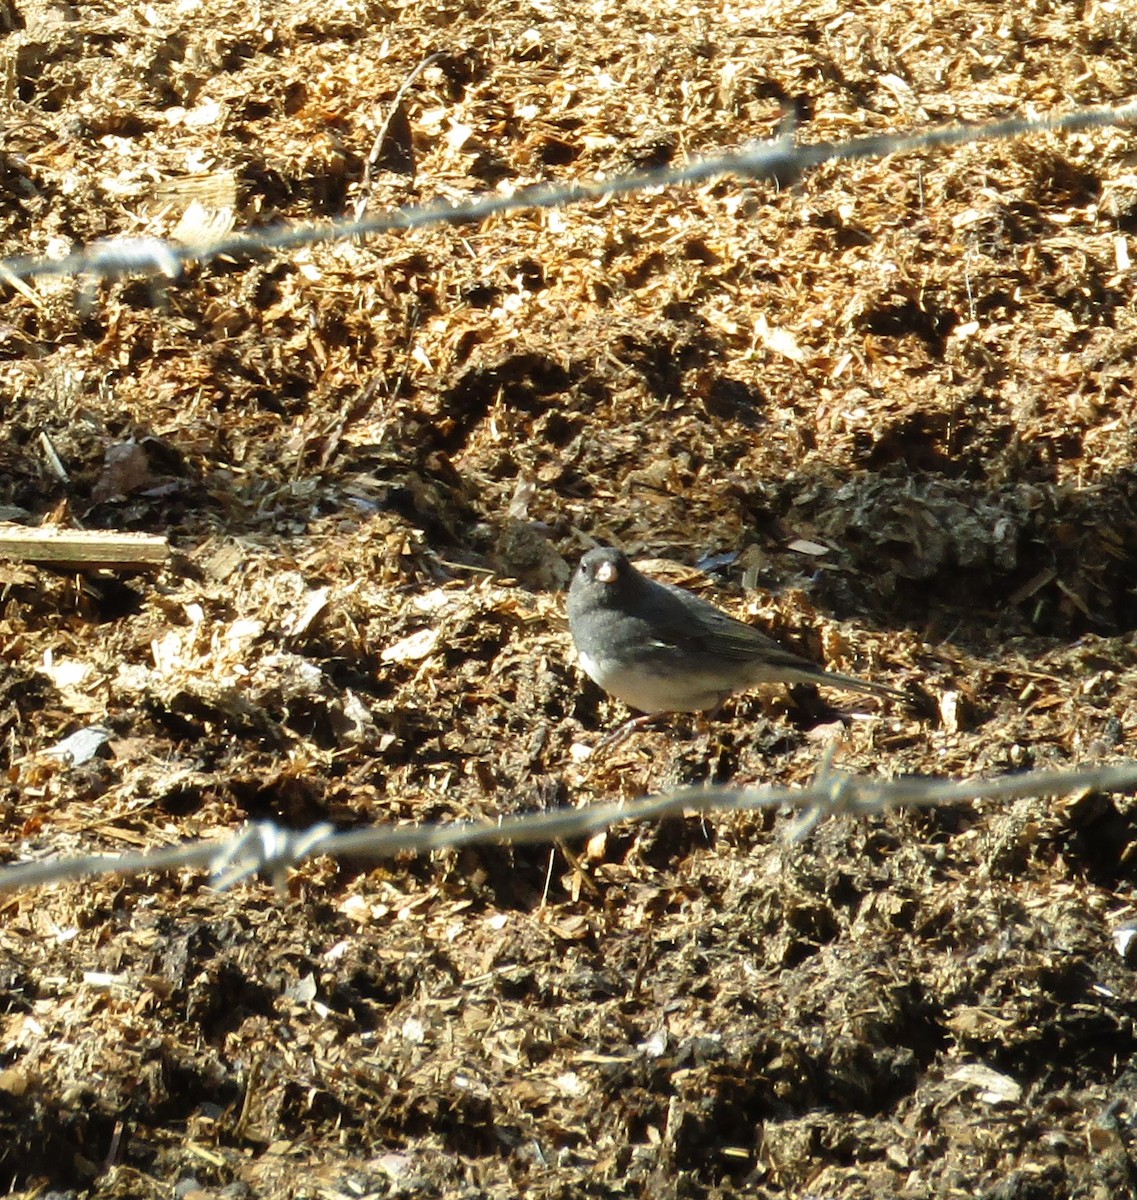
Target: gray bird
(660,648)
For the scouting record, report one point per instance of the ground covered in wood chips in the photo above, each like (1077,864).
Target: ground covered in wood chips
(887,412)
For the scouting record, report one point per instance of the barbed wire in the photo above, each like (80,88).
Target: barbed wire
(782,160)
(265,847)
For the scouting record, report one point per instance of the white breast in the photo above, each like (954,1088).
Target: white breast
(651,691)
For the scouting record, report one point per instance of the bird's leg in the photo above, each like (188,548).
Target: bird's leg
(623,731)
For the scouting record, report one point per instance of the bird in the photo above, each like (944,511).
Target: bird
(660,648)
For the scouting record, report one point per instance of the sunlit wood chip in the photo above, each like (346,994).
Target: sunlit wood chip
(413,648)
(993,1087)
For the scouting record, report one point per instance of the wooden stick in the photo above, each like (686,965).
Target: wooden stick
(84,548)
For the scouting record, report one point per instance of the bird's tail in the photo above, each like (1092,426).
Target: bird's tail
(853,684)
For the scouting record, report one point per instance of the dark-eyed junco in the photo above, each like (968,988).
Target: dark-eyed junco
(660,648)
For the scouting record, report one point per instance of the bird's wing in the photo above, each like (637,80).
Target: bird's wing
(700,626)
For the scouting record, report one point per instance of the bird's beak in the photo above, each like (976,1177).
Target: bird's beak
(606,572)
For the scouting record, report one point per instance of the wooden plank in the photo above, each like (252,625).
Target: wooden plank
(84,549)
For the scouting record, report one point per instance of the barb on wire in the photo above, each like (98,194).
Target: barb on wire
(264,846)
(780,160)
